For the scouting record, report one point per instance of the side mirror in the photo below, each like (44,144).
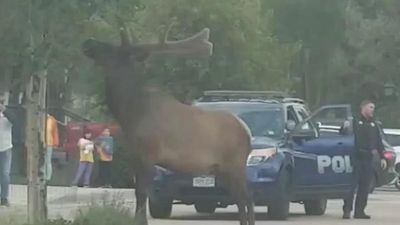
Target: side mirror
(290,125)
(345,129)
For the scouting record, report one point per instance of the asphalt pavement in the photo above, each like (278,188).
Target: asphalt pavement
(384,205)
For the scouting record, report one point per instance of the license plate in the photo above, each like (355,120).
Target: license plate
(206,181)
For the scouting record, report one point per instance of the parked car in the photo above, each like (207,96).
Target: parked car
(292,160)
(393,137)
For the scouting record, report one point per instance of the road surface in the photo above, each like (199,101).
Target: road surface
(384,207)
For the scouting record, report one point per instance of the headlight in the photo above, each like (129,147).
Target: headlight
(258,156)
(254,160)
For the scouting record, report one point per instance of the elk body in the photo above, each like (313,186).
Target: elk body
(163,131)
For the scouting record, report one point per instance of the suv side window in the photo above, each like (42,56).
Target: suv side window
(334,116)
(303,115)
(291,114)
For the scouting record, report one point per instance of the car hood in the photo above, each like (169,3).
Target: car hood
(263,142)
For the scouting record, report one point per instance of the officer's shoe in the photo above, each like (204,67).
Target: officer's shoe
(361,216)
(346,215)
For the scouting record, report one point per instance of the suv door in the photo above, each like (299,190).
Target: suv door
(322,163)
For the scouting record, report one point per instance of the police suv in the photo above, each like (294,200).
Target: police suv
(293,159)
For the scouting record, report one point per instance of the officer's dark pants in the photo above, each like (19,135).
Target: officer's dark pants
(363,173)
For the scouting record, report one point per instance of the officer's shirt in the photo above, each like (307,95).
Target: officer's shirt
(367,136)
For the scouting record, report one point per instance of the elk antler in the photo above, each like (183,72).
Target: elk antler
(164,38)
(124,32)
(196,45)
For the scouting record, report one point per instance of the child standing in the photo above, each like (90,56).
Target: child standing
(104,145)
(86,147)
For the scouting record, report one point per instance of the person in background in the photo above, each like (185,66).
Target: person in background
(86,147)
(105,147)
(51,141)
(6,121)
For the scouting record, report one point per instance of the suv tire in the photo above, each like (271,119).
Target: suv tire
(279,208)
(205,207)
(160,208)
(315,207)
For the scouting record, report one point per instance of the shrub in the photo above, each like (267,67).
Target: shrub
(113,214)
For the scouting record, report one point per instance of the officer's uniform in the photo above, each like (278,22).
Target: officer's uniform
(367,138)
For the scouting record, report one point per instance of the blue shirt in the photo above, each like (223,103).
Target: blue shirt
(107,142)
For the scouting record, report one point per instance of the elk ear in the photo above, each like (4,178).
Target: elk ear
(123,32)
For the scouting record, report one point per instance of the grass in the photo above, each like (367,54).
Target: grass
(103,215)
(114,213)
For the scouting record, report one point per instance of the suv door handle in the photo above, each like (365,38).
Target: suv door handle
(340,143)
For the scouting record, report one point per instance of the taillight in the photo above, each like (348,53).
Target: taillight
(389,155)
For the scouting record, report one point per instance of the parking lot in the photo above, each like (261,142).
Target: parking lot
(65,202)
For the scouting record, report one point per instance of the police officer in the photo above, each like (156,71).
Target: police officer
(368,149)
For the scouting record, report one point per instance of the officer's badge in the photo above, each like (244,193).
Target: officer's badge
(372,124)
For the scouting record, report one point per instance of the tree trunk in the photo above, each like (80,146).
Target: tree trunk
(37,211)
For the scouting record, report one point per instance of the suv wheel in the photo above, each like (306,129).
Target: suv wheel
(205,207)
(279,208)
(160,208)
(315,207)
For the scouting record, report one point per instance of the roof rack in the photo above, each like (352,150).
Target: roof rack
(247,94)
(293,100)
(243,96)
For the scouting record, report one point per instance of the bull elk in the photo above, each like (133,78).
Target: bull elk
(163,131)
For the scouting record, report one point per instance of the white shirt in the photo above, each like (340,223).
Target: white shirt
(5,133)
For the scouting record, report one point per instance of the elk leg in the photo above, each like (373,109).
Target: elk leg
(243,195)
(144,178)
(237,187)
(250,207)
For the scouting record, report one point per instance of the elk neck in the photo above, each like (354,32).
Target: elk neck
(130,99)
(125,96)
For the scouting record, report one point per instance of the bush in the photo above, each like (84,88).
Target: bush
(114,214)
(105,215)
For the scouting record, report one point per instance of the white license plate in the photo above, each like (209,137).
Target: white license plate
(207,181)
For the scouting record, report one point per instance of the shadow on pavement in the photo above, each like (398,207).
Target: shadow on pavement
(233,216)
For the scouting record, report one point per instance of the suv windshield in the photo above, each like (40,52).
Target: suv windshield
(263,120)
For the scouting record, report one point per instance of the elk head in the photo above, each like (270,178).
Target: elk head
(114,57)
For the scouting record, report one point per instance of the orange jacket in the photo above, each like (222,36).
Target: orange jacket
(51,139)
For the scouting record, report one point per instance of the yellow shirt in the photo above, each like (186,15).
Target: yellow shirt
(86,148)
(103,155)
